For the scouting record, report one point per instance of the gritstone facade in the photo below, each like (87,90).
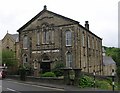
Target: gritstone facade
(49,38)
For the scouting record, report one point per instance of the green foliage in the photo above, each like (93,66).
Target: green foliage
(58,69)
(22,72)
(111,51)
(8,58)
(48,74)
(86,81)
(115,54)
(118,71)
(103,84)
(22,67)
(27,68)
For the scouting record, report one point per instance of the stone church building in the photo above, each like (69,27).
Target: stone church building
(50,38)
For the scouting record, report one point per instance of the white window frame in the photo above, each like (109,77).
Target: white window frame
(68,38)
(69,60)
(25,42)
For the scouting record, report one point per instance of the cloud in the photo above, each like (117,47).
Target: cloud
(101,14)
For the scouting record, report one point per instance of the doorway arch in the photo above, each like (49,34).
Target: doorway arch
(45,64)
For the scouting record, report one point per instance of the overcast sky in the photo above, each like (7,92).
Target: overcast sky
(101,14)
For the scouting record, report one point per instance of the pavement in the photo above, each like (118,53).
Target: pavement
(62,87)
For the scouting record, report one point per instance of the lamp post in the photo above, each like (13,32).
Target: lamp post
(94,77)
(113,76)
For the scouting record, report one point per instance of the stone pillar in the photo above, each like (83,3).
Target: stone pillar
(66,76)
(36,73)
(77,76)
(36,69)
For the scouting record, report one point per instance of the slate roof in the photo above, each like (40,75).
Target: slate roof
(15,36)
(107,60)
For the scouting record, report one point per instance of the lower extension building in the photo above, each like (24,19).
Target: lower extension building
(49,39)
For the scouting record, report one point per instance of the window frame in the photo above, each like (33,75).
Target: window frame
(69,60)
(83,39)
(25,42)
(25,58)
(38,37)
(88,41)
(68,38)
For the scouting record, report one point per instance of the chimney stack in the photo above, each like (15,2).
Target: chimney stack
(45,7)
(86,25)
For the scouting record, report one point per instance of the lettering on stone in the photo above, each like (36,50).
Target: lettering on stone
(45,51)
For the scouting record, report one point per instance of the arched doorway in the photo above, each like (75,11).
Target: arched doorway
(45,64)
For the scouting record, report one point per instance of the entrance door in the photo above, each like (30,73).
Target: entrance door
(45,66)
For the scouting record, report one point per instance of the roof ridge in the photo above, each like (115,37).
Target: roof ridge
(45,10)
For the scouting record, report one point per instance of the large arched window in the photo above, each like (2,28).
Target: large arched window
(68,38)
(46,34)
(25,42)
(69,60)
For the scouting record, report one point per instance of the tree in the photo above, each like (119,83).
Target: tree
(115,54)
(8,58)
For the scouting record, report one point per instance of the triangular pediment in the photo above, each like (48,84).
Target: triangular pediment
(8,36)
(49,17)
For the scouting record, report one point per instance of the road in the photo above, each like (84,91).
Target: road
(14,86)
(18,87)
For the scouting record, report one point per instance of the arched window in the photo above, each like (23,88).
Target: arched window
(25,42)
(68,38)
(69,60)
(83,39)
(38,38)
(25,58)
(93,43)
(96,44)
(47,37)
(51,36)
(46,34)
(88,41)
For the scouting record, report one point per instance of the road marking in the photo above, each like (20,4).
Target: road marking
(10,89)
(48,87)
(38,86)
(13,90)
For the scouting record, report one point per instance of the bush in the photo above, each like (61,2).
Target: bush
(48,74)
(57,70)
(86,81)
(22,72)
(103,85)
